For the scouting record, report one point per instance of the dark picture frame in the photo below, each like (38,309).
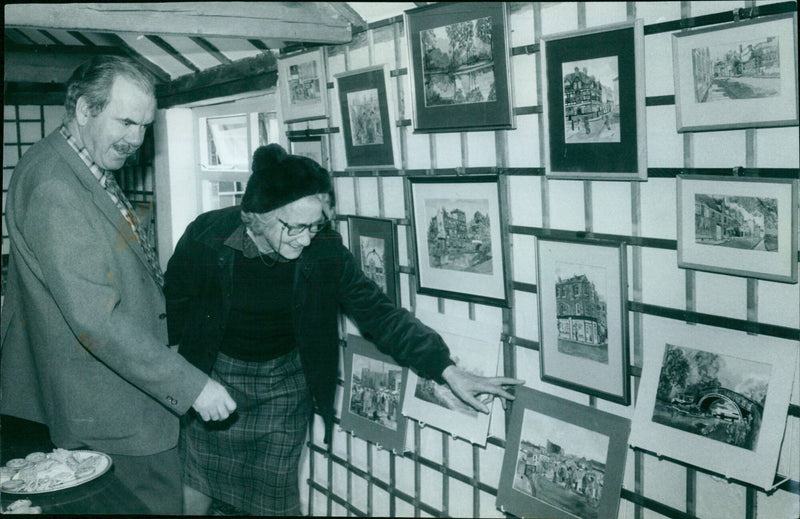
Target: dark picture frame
(312,146)
(453,47)
(373,242)
(459,237)
(594,103)
(368,118)
(562,459)
(374,391)
(739,226)
(737,75)
(583,317)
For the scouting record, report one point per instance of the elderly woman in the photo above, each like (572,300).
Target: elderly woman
(253,294)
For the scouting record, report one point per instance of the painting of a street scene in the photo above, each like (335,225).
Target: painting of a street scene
(739,222)
(441,395)
(375,390)
(372,259)
(458,235)
(591,100)
(719,397)
(748,69)
(561,464)
(581,311)
(304,83)
(366,128)
(457,63)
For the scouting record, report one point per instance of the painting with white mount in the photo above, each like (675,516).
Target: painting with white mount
(475,348)
(583,340)
(716,396)
(743,226)
(736,75)
(458,237)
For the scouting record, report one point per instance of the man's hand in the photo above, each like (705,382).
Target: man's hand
(214,402)
(468,387)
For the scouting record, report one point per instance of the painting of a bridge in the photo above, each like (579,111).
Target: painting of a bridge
(720,397)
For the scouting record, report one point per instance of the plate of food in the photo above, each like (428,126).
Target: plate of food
(41,472)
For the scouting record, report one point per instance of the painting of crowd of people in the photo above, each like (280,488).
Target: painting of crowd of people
(561,464)
(375,391)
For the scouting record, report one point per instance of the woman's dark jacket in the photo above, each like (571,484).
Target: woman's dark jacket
(198,295)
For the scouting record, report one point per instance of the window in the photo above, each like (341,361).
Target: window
(228,134)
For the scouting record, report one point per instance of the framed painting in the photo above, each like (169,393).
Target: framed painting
(562,459)
(312,147)
(374,390)
(368,118)
(594,103)
(373,243)
(583,317)
(714,398)
(458,237)
(475,347)
(737,75)
(303,86)
(740,226)
(459,67)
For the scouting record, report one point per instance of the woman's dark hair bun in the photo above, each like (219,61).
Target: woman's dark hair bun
(268,156)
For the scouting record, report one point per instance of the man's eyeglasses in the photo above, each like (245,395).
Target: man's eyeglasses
(313,228)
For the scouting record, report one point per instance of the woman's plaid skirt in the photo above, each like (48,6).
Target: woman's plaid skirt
(251,460)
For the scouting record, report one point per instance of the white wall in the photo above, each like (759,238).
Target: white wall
(646,209)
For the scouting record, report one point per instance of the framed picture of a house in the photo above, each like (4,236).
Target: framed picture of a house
(372,242)
(594,103)
(582,289)
(740,226)
(458,237)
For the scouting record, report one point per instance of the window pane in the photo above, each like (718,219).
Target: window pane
(227,142)
(219,194)
(267,128)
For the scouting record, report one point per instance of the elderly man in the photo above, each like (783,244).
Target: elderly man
(84,334)
(253,297)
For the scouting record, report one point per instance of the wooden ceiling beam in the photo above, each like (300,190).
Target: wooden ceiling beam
(47,63)
(316,22)
(157,72)
(34,93)
(169,49)
(245,75)
(211,49)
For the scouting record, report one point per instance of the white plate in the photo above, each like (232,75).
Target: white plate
(102,467)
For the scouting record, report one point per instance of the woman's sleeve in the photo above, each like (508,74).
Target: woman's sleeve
(395,331)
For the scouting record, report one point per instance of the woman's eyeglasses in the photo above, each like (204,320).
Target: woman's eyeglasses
(313,228)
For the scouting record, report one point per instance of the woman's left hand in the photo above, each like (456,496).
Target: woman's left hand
(477,391)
